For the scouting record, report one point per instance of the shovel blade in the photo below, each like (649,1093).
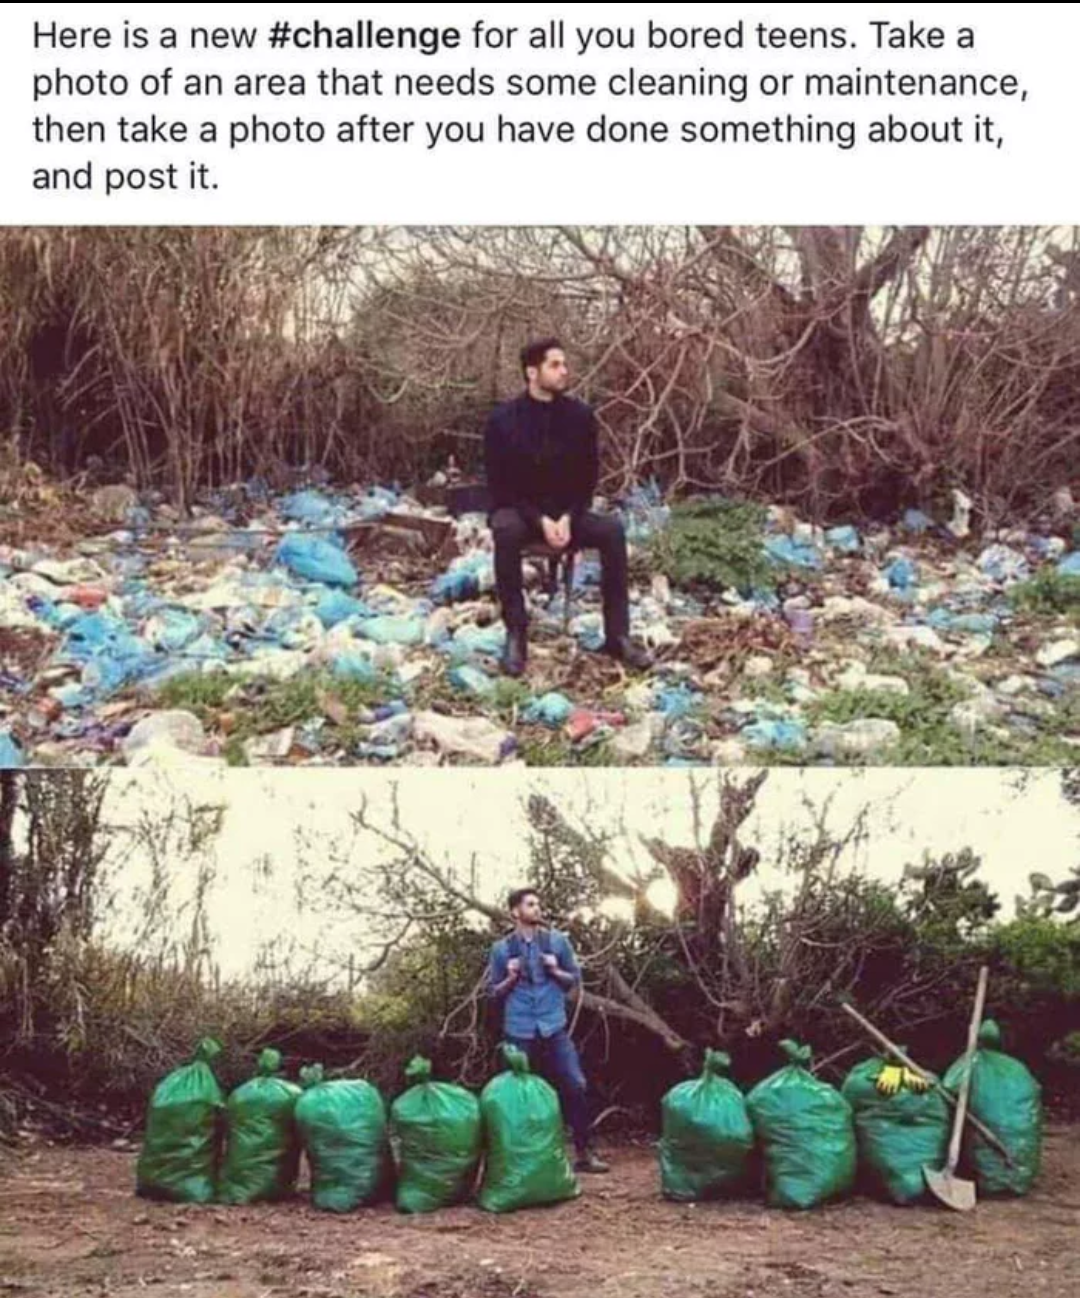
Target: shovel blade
(951,1190)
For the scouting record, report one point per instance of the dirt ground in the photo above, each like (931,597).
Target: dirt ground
(70,1225)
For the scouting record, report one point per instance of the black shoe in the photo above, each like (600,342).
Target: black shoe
(515,655)
(627,652)
(590,1163)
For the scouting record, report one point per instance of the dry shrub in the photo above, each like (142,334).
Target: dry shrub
(850,370)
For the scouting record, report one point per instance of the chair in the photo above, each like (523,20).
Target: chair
(473,498)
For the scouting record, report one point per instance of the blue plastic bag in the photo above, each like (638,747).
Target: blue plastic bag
(310,507)
(844,539)
(377,503)
(471,680)
(316,559)
(797,554)
(549,710)
(110,656)
(11,755)
(179,628)
(392,630)
(786,736)
(335,607)
(942,619)
(1070,565)
(355,667)
(486,641)
(903,574)
(453,586)
(676,701)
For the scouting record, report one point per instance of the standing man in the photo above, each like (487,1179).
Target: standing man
(532,971)
(541,453)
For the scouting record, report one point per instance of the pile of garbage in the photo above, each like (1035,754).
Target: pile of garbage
(360,626)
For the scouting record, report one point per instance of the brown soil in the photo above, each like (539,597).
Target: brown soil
(71,1226)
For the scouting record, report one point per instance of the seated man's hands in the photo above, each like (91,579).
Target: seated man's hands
(557,532)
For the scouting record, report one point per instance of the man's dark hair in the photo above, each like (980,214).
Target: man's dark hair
(533,353)
(518,896)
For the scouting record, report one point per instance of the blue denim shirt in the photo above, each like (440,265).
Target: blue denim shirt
(536,1005)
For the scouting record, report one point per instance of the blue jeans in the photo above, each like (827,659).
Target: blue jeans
(556,1059)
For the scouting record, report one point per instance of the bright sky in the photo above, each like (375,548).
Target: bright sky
(1017,829)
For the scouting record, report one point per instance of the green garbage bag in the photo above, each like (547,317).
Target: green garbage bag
(344,1131)
(807,1132)
(1008,1099)
(262,1146)
(523,1134)
(181,1145)
(706,1135)
(898,1135)
(437,1125)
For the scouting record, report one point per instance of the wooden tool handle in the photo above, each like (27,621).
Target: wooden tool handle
(883,1041)
(965,1080)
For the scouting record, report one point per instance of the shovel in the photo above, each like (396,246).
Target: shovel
(894,1050)
(953,1191)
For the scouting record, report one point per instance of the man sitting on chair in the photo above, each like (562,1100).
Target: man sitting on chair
(542,463)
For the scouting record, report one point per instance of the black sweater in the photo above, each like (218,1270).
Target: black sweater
(542,457)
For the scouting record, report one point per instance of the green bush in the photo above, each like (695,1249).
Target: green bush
(716,544)
(1048,593)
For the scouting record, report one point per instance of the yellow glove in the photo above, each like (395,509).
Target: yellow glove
(914,1082)
(890,1079)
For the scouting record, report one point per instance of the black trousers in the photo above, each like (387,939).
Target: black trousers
(600,532)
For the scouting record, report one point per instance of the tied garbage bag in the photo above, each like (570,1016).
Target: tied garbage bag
(438,1126)
(807,1131)
(706,1137)
(523,1134)
(179,1156)
(343,1127)
(897,1133)
(262,1147)
(1008,1099)
(316,559)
